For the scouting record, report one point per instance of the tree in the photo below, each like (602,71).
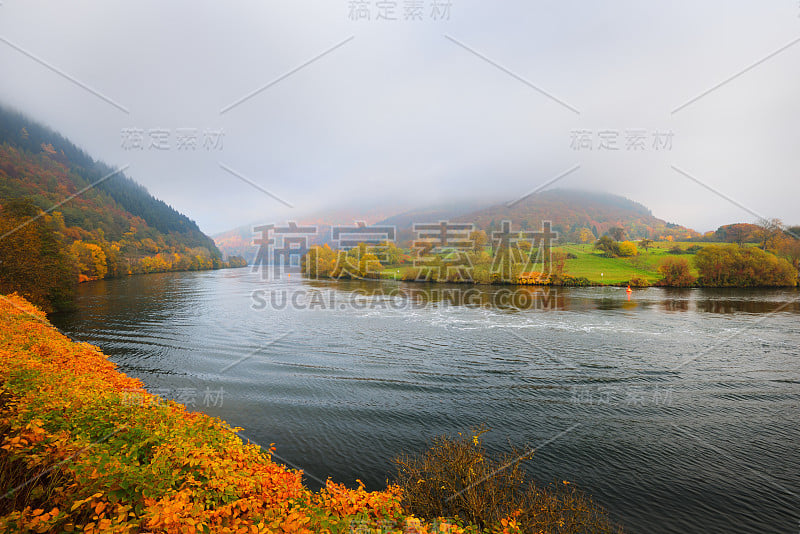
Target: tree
(91,259)
(627,249)
(608,246)
(645,243)
(734,266)
(675,272)
(617,233)
(387,252)
(585,236)
(768,231)
(479,240)
(33,260)
(738,233)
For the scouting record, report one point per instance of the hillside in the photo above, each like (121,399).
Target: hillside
(579,216)
(63,208)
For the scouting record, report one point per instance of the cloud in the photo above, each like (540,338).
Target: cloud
(402,114)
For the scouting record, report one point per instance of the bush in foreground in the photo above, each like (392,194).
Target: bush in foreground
(456,478)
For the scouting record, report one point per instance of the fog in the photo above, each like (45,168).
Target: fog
(303,107)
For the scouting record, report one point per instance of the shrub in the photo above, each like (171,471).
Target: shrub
(675,272)
(735,266)
(608,246)
(638,281)
(571,256)
(567,280)
(627,249)
(456,478)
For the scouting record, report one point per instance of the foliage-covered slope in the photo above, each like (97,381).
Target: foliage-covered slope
(572,212)
(65,218)
(83,448)
(41,164)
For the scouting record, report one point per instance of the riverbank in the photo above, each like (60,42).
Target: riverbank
(582,265)
(86,448)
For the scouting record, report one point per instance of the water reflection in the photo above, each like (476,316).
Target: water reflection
(343,391)
(526,298)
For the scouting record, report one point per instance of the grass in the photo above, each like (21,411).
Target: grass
(590,264)
(599,269)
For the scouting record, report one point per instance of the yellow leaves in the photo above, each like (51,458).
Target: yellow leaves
(199,476)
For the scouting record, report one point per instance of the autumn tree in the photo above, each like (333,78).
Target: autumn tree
(627,248)
(768,231)
(479,239)
(676,272)
(33,260)
(734,266)
(388,252)
(91,259)
(585,236)
(617,233)
(646,243)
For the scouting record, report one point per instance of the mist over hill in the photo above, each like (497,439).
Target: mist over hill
(573,213)
(39,163)
(65,218)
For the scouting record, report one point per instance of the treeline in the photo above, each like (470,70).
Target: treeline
(730,266)
(65,218)
(39,163)
(520,264)
(41,261)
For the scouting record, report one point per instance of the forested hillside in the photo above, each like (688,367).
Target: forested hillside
(61,208)
(579,216)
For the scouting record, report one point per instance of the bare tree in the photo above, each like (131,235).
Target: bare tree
(768,231)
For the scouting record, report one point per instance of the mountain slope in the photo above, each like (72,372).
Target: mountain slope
(63,208)
(49,156)
(572,211)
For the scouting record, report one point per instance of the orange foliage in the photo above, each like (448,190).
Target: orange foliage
(81,457)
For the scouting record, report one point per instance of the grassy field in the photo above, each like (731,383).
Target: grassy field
(598,269)
(601,270)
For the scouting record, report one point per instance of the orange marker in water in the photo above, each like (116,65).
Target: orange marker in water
(629,290)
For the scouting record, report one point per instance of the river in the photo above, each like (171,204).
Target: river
(677,410)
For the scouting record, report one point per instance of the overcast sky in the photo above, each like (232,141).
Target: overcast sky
(489,100)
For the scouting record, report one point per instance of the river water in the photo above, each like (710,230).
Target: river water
(677,410)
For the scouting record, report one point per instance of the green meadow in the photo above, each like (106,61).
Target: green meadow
(599,269)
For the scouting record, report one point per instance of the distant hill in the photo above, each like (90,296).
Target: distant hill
(239,241)
(106,224)
(572,211)
(578,216)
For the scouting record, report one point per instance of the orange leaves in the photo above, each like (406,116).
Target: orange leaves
(120,466)
(342,501)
